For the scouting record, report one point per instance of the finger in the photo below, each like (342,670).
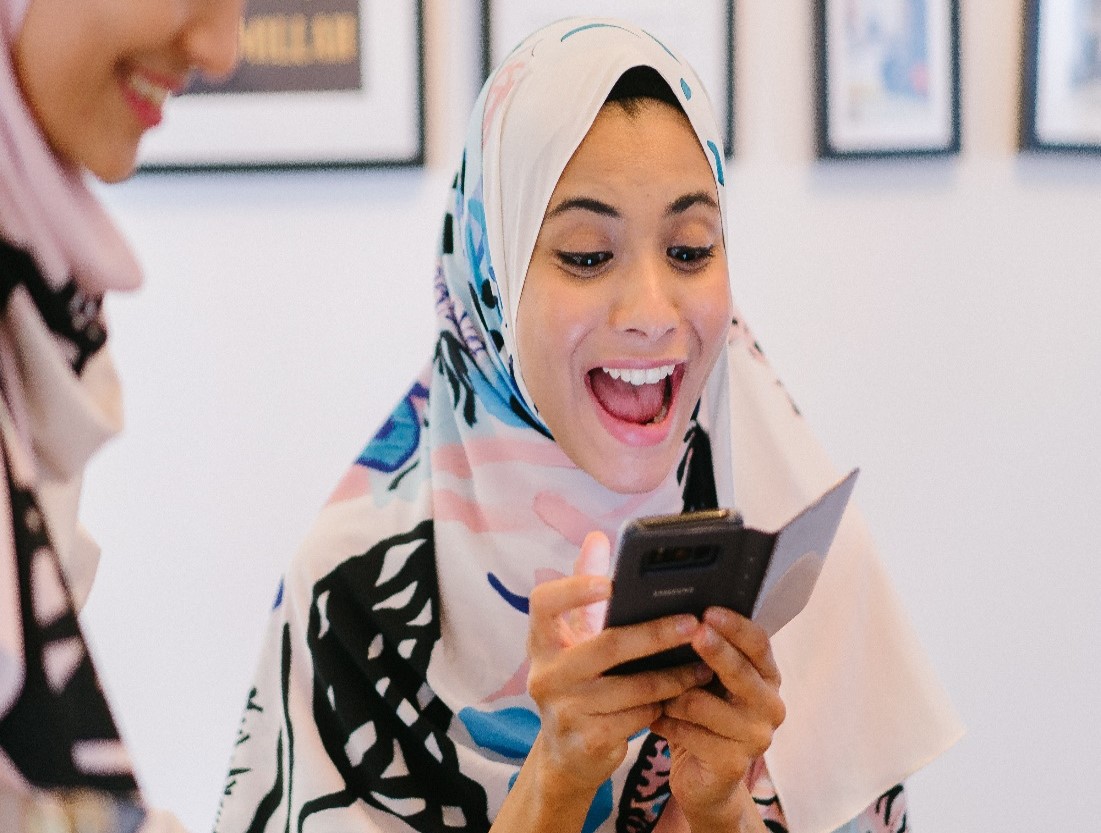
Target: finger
(552,599)
(706,728)
(705,709)
(595,559)
(570,704)
(745,687)
(620,692)
(749,638)
(609,707)
(569,724)
(752,722)
(719,754)
(614,646)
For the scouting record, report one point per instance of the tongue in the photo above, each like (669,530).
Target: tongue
(631,403)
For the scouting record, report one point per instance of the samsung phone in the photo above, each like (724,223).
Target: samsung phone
(686,563)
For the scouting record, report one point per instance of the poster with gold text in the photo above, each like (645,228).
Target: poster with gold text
(320,83)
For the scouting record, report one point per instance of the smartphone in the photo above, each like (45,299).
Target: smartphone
(670,564)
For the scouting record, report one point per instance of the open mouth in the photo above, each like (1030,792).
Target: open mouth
(642,396)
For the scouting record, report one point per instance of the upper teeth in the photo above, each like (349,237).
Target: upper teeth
(155,93)
(640,377)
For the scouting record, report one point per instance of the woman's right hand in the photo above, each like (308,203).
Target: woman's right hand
(588,717)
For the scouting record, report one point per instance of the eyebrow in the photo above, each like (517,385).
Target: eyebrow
(584,204)
(678,206)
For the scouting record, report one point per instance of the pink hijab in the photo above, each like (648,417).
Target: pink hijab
(46,207)
(52,418)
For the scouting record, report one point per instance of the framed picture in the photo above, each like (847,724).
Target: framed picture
(1061,88)
(701,30)
(888,77)
(321,83)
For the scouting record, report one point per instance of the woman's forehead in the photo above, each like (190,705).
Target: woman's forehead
(534,114)
(650,150)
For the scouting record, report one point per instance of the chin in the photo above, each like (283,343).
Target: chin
(113,174)
(113,167)
(634,477)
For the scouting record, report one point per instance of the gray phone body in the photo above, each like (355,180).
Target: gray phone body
(670,564)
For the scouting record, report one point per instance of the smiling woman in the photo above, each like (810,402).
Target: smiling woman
(80,83)
(433,662)
(96,73)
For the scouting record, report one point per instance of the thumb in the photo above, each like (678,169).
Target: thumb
(595,559)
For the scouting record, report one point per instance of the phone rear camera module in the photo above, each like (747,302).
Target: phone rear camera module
(679,557)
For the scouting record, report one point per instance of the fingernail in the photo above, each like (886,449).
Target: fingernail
(598,585)
(718,616)
(703,672)
(708,638)
(687,625)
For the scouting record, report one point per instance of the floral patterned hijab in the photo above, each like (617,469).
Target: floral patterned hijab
(391,693)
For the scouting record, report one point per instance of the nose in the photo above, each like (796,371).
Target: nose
(212,35)
(647,304)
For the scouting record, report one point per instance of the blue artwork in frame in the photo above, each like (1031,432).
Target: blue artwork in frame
(888,78)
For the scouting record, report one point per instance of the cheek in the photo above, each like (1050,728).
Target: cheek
(532,345)
(550,321)
(64,84)
(551,326)
(712,314)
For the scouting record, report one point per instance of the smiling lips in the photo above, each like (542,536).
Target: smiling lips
(640,396)
(146,94)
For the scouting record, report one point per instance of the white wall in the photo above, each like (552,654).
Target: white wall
(934,319)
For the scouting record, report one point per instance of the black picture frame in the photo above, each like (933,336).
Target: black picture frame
(300,98)
(1061,77)
(887,79)
(722,76)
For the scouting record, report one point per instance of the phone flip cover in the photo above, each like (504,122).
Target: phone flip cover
(798,556)
(780,570)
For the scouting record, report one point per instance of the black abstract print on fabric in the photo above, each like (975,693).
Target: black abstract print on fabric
(372,629)
(60,733)
(70,313)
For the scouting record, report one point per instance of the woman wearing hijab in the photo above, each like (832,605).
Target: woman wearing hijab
(432,664)
(79,85)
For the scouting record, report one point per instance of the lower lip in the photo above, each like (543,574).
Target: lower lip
(632,433)
(148,114)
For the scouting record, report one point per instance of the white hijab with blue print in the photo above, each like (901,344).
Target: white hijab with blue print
(392,689)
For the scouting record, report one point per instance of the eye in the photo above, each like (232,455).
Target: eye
(584,261)
(690,254)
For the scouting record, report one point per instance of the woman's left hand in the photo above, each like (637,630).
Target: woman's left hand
(717,731)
